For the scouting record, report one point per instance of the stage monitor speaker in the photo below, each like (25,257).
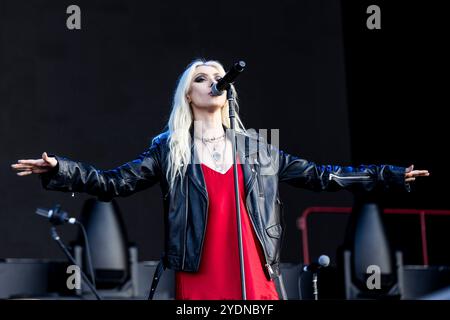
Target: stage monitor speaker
(425,282)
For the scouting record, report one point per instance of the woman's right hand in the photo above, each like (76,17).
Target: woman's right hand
(26,167)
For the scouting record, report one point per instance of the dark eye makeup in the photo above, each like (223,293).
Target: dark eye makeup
(199,79)
(203,78)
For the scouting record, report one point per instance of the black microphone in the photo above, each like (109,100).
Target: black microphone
(56,216)
(224,83)
(322,262)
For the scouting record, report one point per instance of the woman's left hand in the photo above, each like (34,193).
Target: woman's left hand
(410,174)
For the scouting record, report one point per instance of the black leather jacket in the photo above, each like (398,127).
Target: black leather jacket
(185,208)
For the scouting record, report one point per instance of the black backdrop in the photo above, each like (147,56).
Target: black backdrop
(338,92)
(397,85)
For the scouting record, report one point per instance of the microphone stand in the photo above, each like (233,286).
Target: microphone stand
(315,289)
(315,267)
(232,113)
(57,238)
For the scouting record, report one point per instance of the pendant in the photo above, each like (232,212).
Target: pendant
(216,156)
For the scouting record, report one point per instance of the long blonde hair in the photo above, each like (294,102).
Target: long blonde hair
(181,118)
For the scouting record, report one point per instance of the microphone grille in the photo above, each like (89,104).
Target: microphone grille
(240,65)
(324,260)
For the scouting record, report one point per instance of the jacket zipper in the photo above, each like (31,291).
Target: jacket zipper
(204,232)
(258,176)
(332,175)
(185,224)
(206,222)
(267,265)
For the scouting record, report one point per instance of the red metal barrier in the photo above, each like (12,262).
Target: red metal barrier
(303,226)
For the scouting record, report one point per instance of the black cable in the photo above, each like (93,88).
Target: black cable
(88,252)
(56,237)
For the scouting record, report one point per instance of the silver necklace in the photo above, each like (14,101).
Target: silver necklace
(216,155)
(211,139)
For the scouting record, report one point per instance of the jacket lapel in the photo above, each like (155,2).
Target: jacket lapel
(195,173)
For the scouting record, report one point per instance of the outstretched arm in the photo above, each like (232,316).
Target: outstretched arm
(302,173)
(62,174)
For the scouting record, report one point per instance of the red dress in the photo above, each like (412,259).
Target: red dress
(218,277)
